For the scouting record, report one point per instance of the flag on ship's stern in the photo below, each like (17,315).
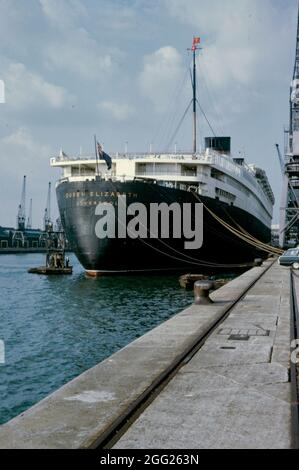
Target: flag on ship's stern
(104,156)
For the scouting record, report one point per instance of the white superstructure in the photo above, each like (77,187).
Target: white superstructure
(210,174)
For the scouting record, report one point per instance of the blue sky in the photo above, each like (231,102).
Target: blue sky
(76,67)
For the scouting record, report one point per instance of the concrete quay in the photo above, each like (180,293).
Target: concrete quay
(235,393)
(218,375)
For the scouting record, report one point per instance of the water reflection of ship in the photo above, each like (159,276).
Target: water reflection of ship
(24,238)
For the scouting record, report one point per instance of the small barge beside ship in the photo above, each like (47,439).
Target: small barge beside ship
(230,190)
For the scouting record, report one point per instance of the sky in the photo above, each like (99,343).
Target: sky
(120,69)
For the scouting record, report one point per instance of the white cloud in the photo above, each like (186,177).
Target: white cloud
(116,17)
(2,92)
(235,65)
(74,48)
(62,13)
(23,139)
(239,38)
(108,16)
(161,71)
(25,88)
(23,154)
(117,111)
(243,61)
(79,54)
(26,152)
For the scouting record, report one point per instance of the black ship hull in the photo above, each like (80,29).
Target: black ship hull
(77,202)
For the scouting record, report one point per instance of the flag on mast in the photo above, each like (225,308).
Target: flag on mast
(100,150)
(196,41)
(104,156)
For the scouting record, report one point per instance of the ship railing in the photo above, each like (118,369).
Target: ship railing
(292,168)
(166,173)
(242,172)
(136,156)
(294,182)
(83,174)
(237,171)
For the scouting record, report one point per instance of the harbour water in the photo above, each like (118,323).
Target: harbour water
(55,328)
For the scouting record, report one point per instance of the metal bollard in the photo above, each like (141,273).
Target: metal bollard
(258,262)
(202,292)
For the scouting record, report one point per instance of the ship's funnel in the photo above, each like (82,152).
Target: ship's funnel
(220,144)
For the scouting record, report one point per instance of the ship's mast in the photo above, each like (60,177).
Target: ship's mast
(196,41)
(194,102)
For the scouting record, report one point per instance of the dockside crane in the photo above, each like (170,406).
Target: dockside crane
(289,211)
(48,225)
(281,160)
(29,220)
(21,217)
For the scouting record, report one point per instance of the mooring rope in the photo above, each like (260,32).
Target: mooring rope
(251,240)
(193,261)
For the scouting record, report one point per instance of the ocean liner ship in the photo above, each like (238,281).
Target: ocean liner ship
(237,204)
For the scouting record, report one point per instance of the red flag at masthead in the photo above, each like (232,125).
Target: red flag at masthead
(196,41)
